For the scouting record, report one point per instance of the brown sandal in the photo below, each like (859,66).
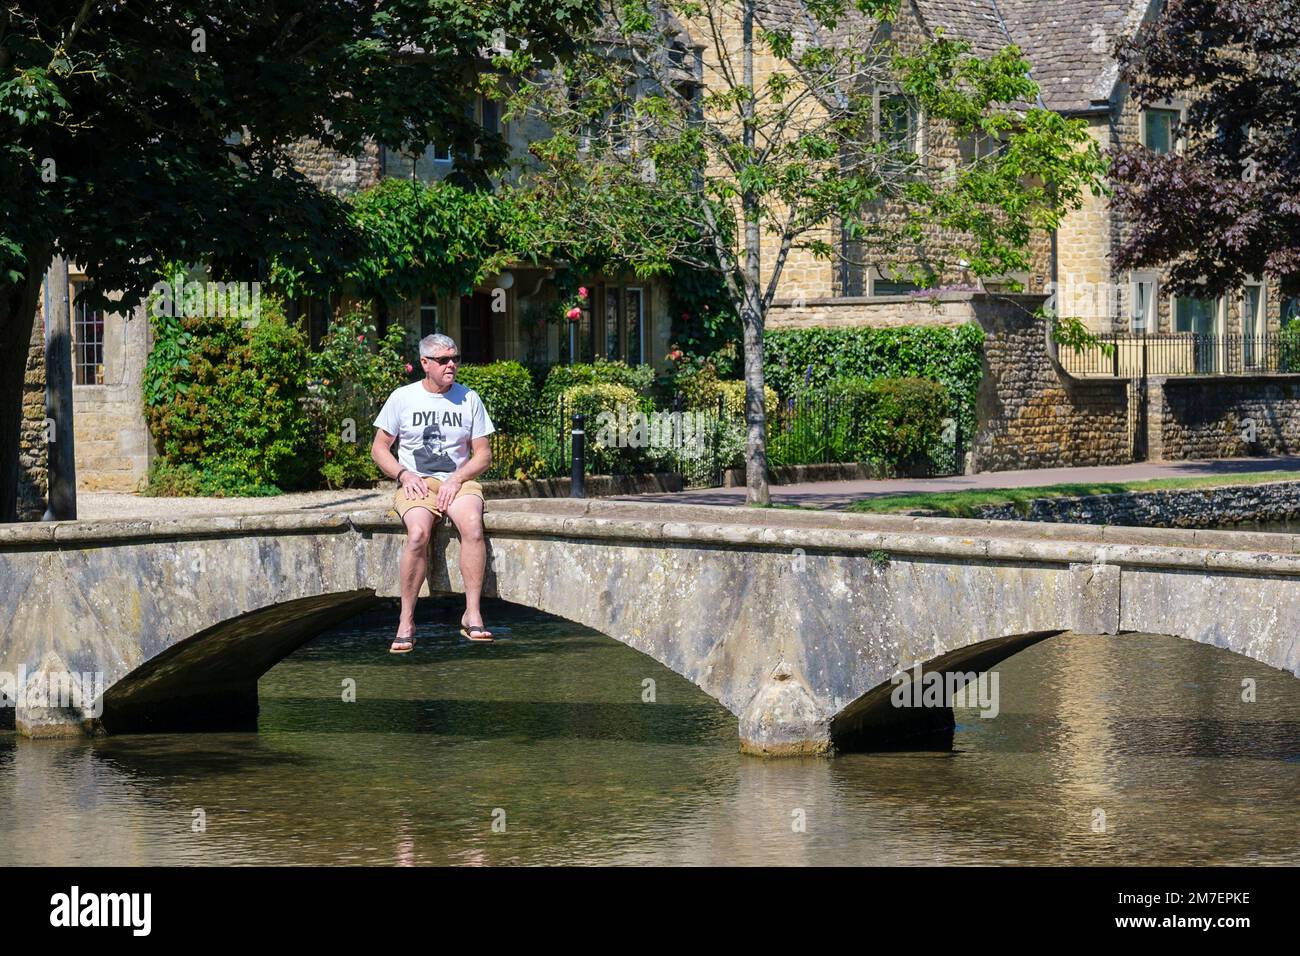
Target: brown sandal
(409,641)
(468,631)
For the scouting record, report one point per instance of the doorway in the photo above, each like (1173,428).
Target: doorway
(476,328)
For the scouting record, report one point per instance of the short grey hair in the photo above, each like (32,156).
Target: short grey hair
(430,343)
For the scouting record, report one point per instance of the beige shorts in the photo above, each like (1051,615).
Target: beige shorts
(402,504)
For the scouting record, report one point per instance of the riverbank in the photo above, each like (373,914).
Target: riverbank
(1161,503)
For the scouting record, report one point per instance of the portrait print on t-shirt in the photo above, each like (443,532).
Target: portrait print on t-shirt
(430,457)
(435,431)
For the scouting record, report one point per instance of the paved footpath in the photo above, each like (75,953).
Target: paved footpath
(837,494)
(93,505)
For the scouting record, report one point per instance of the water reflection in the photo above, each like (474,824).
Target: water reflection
(545,734)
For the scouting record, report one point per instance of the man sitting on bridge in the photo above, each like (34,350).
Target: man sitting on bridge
(443,429)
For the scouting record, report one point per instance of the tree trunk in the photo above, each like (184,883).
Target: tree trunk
(17,313)
(755,414)
(751,317)
(61,467)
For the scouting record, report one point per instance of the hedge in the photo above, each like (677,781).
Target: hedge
(796,359)
(799,358)
(507,392)
(563,377)
(223,397)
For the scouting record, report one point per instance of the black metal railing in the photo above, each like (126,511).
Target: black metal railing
(826,427)
(1128,355)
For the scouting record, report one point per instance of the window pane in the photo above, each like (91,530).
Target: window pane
(1159,130)
(87,343)
(491,116)
(1143,299)
(1290,299)
(1250,304)
(888,287)
(613,306)
(1251,324)
(428,317)
(635,327)
(1194,314)
(897,123)
(587,336)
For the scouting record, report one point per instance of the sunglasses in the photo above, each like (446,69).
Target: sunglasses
(442,359)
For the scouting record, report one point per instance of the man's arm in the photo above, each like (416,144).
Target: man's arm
(381,450)
(479,461)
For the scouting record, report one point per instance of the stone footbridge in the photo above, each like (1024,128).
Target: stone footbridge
(794,621)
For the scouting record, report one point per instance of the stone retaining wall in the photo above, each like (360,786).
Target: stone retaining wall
(33,455)
(1176,508)
(1031,414)
(1223,417)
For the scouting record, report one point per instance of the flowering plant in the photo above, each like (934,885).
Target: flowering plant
(573,307)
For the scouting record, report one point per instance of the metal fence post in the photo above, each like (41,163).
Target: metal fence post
(718,465)
(577,485)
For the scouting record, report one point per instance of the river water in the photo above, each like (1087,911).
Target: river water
(539,749)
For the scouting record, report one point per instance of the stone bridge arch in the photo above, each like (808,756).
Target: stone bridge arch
(793,621)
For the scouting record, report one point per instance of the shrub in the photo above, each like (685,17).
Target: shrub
(701,387)
(166,480)
(733,398)
(507,391)
(518,457)
(905,419)
(223,395)
(563,377)
(351,377)
(593,401)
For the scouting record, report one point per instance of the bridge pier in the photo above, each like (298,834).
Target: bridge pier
(783,719)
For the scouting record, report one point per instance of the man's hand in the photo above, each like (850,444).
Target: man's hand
(414,485)
(447,493)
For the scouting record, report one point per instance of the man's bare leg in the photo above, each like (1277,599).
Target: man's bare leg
(467,514)
(414,567)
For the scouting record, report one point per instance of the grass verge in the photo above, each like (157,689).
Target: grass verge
(965,504)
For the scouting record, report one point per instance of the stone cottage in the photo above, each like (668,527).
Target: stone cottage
(1070,47)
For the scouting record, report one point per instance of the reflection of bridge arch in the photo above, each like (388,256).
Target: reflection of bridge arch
(794,621)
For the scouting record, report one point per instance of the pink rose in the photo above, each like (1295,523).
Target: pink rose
(574,314)
(410,367)
(582,292)
(361,338)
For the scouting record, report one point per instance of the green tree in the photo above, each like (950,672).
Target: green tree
(709,165)
(134,133)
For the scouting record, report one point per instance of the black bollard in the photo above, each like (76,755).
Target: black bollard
(577,487)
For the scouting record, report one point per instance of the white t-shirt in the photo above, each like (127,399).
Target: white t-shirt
(434,431)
